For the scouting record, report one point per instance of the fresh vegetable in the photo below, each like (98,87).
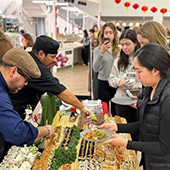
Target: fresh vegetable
(94,118)
(50,106)
(68,155)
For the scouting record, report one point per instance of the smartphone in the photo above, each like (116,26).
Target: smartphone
(106,39)
(129,93)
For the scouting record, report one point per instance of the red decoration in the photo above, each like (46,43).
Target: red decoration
(127,4)
(144,8)
(117,1)
(135,6)
(154,9)
(163,11)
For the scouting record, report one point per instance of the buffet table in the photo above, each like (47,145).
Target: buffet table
(97,156)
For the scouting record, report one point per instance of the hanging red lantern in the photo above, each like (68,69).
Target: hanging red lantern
(117,1)
(135,6)
(127,4)
(144,8)
(154,9)
(163,11)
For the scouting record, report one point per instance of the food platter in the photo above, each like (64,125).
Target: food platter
(67,145)
(123,100)
(108,132)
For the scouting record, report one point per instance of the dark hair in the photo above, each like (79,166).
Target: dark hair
(119,29)
(4,64)
(86,33)
(123,61)
(153,55)
(91,30)
(22,32)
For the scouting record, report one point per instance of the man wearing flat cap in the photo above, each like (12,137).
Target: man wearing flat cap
(44,54)
(16,67)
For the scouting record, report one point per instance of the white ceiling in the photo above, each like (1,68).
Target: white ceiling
(8,7)
(34,9)
(18,7)
(12,7)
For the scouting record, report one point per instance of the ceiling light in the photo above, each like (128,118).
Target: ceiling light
(124,24)
(130,24)
(137,24)
(117,24)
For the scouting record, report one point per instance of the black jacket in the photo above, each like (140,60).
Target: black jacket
(36,87)
(151,114)
(154,126)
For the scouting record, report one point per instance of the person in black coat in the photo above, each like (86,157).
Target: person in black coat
(152,64)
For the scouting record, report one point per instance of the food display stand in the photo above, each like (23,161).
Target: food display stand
(91,155)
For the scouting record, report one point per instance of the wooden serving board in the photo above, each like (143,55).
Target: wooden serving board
(65,122)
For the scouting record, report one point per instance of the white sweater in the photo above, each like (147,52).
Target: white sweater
(116,76)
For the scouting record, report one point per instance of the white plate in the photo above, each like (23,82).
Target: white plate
(123,100)
(134,89)
(131,89)
(109,133)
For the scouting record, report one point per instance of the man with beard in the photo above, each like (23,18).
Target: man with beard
(44,54)
(16,67)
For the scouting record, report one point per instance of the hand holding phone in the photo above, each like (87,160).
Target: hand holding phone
(106,39)
(129,93)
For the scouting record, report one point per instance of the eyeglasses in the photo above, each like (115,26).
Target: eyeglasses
(22,74)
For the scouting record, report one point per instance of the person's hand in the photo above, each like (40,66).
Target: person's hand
(104,47)
(116,140)
(110,126)
(134,103)
(86,115)
(51,131)
(123,83)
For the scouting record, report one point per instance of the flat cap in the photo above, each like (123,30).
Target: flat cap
(46,44)
(22,59)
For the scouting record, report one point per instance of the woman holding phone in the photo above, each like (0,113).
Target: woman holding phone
(152,65)
(123,72)
(104,56)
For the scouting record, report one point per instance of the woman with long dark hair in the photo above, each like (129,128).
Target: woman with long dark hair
(123,73)
(152,65)
(86,48)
